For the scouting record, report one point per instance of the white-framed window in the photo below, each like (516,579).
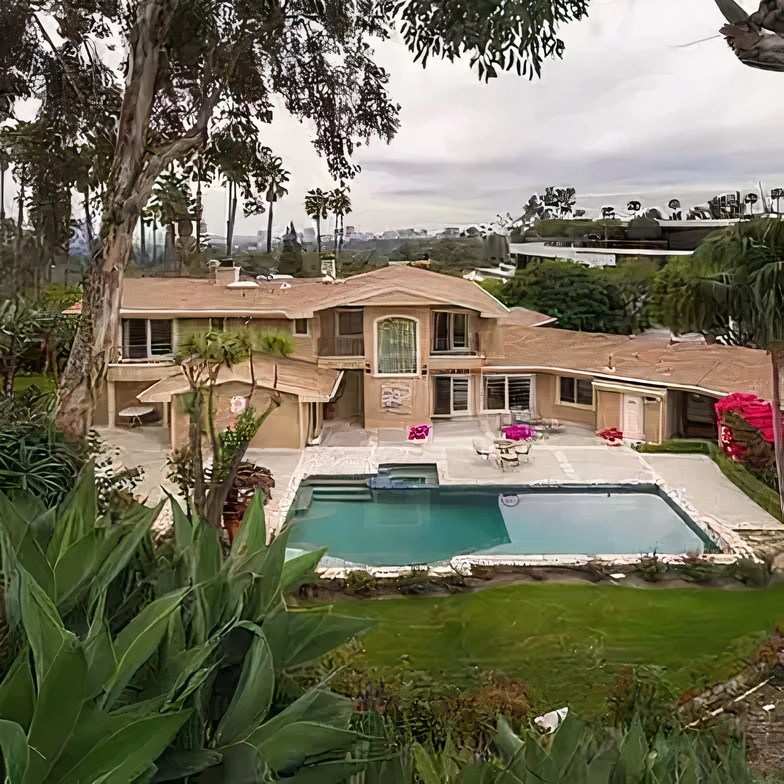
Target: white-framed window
(301,326)
(397,346)
(451,395)
(147,338)
(575,391)
(450,331)
(501,392)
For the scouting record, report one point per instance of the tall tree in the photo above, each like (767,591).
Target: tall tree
(189,61)
(340,205)
(736,278)
(317,208)
(276,189)
(757,39)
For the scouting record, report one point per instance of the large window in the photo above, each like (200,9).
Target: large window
(146,338)
(450,395)
(349,323)
(503,393)
(396,347)
(450,331)
(578,391)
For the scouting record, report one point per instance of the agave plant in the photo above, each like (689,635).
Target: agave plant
(178,680)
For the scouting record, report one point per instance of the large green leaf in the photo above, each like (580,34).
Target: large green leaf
(330,773)
(301,636)
(296,744)
(13,745)
(127,752)
(139,639)
(252,534)
(17,692)
(317,705)
(21,547)
(426,765)
(183,528)
(99,650)
(42,624)
(252,698)
(61,696)
(75,568)
(119,545)
(178,764)
(296,570)
(266,591)
(76,515)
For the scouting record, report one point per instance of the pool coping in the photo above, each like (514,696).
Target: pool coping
(732,547)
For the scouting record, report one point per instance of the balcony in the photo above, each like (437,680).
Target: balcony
(353,346)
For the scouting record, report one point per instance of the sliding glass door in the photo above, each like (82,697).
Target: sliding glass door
(451,395)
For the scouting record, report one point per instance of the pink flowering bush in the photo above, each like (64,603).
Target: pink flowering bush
(419,433)
(519,432)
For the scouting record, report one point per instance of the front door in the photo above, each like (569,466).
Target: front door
(633,417)
(450,395)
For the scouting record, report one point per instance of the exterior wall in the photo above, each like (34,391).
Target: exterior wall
(281,430)
(652,410)
(416,389)
(608,409)
(490,342)
(548,406)
(125,393)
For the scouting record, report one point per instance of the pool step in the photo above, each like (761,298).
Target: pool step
(343,492)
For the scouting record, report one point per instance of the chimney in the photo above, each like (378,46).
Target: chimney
(226,275)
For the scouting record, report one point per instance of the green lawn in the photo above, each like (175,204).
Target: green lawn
(569,642)
(44,383)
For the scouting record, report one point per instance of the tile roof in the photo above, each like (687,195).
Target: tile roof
(301,297)
(284,374)
(654,359)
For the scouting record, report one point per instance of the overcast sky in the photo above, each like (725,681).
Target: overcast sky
(628,113)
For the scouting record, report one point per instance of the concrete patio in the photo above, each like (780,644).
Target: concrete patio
(574,455)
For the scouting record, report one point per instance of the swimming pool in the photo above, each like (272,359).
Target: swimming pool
(408,525)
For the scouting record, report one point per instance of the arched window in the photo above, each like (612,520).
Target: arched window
(397,346)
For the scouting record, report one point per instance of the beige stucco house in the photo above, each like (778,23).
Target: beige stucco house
(402,346)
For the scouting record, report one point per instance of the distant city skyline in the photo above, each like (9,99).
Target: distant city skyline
(633,111)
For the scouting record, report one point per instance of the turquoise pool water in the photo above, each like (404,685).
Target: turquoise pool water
(399,527)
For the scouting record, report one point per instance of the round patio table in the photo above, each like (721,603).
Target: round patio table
(135,413)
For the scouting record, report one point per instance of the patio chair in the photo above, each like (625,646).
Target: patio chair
(523,451)
(483,448)
(508,461)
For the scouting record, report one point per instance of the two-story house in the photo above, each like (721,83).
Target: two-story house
(402,346)
(385,349)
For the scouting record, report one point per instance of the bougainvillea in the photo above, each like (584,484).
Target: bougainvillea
(419,433)
(519,433)
(746,430)
(611,436)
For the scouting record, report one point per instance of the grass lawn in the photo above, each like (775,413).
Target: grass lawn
(44,383)
(569,642)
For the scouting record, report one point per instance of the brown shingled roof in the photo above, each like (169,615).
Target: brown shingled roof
(300,298)
(712,368)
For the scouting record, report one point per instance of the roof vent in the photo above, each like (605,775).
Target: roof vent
(242,284)
(285,286)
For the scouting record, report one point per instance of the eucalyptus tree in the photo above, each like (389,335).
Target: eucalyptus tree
(734,287)
(317,208)
(189,62)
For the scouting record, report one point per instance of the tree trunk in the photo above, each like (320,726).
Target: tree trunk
(776,357)
(142,242)
(318,236)
(231,219)
(129,186)
(88,221)
(336,236)
(269,228)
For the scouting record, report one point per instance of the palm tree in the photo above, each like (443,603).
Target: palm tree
(275,190)
(340,205)
(5,162)
(738,281)
(317,208)
(171,199)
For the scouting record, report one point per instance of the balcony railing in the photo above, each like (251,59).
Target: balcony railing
(342,347)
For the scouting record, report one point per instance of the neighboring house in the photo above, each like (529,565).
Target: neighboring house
(402,346)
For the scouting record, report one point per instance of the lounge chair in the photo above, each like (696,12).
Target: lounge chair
(523,451)
(483,448)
